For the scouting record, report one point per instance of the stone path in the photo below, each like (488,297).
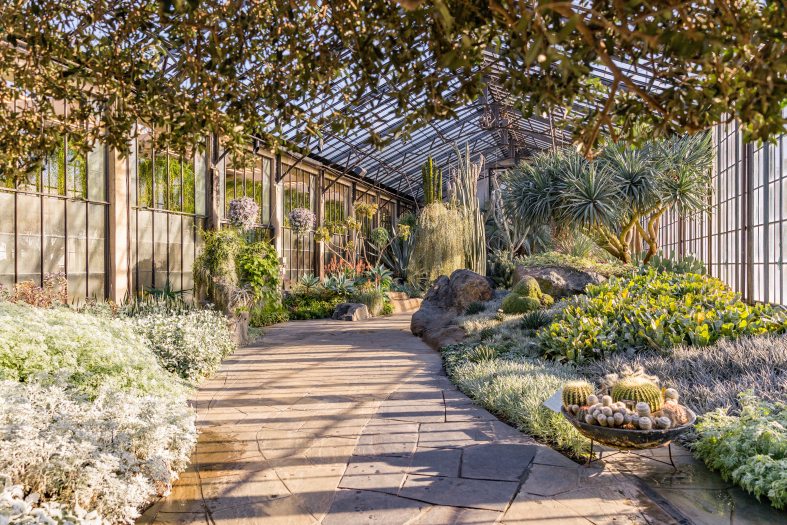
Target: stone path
(352,423)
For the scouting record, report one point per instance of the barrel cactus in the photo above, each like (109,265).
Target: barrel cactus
(638,389)
(576,393)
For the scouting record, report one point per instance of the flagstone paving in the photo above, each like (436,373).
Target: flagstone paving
(351,423)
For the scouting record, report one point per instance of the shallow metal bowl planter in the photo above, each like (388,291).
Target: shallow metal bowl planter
(626,439)
(629,439)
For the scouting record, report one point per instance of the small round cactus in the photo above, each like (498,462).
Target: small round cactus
(589,419)
(662,422)
(576,393)
(619,418)
(606,401)
(592,399)
(643,409)
(677,413)
(645,423)
(671,394)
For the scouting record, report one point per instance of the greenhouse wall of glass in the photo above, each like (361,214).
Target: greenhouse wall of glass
(741,237)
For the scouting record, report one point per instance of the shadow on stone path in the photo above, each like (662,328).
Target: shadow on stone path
(351,423)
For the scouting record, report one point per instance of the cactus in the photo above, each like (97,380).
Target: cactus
(676,413)
(671,394)
(638,389)
(592,399)
(517,304)
(645,423)
(643,409)
(433,182)
(576,393)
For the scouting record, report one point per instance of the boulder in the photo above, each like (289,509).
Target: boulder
(351,312)
(446,299)
(559,281)
(466,287)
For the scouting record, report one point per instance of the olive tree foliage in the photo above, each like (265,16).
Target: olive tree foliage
(236,67)
(620,194)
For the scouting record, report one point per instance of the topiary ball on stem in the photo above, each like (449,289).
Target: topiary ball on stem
(301,220)
(243,213)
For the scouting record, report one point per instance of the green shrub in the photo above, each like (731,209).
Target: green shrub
(388,308)
(652,310)
(526,296)
(189,343)
(578,263)
(750,449)
(517,304)
(311,305)
(685,264)
(79,351)
(535,320)
(476,307)
(515,390)
(267,314)
(373,298)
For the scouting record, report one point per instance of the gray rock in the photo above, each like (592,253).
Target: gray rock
(446,299)
(351,312)
(559,281)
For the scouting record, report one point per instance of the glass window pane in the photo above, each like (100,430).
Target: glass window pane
(188,252)
(54,171)
(96,173)
(160,183)
(76,173)
(77,248)
(267,167)
(144,250)
(159,249)
(133,168)
(145,169)
(188,183)
(7,238)
(174,167)
(175,257)
(29,238)
(200,167)
(96,245)
(54,235)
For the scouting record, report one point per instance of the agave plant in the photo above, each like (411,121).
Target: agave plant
(381,276)
(340,284)
(309,282)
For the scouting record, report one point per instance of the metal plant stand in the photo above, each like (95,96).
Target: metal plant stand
(592,459)
(629,441)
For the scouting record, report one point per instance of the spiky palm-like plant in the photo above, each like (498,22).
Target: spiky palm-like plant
(625,190)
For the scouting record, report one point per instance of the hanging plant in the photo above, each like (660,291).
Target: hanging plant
(243,213)
(301,220)
(365,210)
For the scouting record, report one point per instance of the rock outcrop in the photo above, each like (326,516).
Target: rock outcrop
(351,312)
(559,281)
(448,298)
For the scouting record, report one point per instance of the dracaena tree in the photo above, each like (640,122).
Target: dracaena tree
(317,69)
(625,190)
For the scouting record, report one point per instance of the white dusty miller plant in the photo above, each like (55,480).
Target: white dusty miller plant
(302,220)
(243,213)
(110,456)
